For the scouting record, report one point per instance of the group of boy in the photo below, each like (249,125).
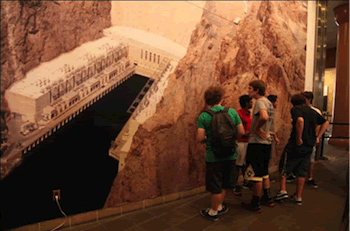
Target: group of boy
(255,134)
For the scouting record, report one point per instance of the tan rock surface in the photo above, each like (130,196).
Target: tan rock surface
(268,43)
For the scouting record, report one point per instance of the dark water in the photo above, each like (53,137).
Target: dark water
(74,159)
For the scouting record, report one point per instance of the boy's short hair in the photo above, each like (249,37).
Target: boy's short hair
(272,98)
(213,95)
(243,100)
(298,99)
(309,95)
(260,85)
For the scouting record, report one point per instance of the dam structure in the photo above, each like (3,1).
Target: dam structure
(57,91)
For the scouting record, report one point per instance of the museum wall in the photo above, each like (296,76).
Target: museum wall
(232,43)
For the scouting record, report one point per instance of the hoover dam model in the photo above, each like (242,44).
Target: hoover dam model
(56,91)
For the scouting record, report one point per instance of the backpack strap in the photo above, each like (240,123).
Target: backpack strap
(228,116)
(212,113)
(225,109)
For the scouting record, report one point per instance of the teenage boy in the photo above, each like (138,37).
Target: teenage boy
(297,152)
(259,146)
(274,100)
(309,97)
(242,143)
(220,171)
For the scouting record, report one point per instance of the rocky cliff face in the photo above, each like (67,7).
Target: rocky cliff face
(268,44)
(33,32)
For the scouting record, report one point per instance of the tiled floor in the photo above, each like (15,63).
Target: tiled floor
(322,208)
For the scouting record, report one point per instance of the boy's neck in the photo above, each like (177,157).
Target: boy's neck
(258,97)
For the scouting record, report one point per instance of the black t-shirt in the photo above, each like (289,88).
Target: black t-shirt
(311,120)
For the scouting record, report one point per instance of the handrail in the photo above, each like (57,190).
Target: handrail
(336,123)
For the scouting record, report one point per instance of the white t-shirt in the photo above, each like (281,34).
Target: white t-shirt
(316,109)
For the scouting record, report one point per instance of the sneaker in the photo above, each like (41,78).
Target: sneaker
(312,183)
(205,213)
(267,201)
(223,210)
(295,200)
(291,178)
(251,208)
(247,185)
(280,196)
(237,191)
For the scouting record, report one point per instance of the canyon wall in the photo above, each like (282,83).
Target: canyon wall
(267,42)
(33,32)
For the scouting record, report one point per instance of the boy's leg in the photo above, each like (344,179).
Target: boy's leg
(213,182)
(300,186)
(311,181)
(283,180)
(216,200)
(240,162)
(267,198)
(284,168)
(301,170)
(257,188)
(228,182)
(254,172)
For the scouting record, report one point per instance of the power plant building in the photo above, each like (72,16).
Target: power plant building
(56,85)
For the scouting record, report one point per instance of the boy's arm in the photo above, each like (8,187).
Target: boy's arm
(274,134)
(299,130)
(322,130)
(240,130)
(263,117)
(201,135)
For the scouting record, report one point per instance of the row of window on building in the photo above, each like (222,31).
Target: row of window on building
(149,56)
(85,92)
(81,76)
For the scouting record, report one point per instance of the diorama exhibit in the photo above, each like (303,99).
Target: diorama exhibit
(100,99)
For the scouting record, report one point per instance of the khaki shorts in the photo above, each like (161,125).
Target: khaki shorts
(242,152)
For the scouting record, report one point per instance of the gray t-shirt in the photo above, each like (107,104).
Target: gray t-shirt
(262,103)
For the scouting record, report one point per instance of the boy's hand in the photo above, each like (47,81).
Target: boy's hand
(317,140)
(299,142)
(277,140)
(261,133)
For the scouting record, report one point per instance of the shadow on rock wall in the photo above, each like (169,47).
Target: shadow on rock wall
(268,44)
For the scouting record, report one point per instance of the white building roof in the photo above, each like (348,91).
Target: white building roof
(147,38)
(49,72)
